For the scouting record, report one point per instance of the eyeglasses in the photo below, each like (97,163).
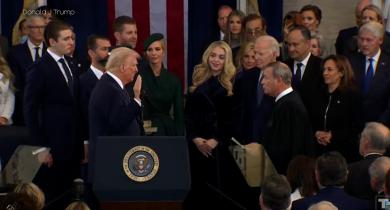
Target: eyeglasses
(256,31)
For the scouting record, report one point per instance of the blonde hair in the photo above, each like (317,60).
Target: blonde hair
(202,72)
(245,48)
(6,71)
(32,191)
(78,205)
(118,56)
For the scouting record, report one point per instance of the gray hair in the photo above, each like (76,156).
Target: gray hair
(282,71)
(322,206)
(320,39)
(274,44)
(378,135)
(378,170)
(375,28)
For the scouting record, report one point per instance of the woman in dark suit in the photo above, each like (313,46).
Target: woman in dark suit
(209,124)
(337,116)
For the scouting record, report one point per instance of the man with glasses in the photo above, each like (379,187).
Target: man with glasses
(255,26)
(22,56)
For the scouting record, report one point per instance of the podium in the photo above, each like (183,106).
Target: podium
(146,172)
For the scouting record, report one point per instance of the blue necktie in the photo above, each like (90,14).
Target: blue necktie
(369,75)
(297,76)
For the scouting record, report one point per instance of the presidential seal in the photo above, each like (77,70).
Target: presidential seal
(141,163)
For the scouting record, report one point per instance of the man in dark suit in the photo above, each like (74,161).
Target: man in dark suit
(373,142)
(20,59)
(372,72)
(51,112)
(98,48)
(111,110)
(255,106)
(275,193)
(346,35)
(288,132)
(223,14)
(378,170)
(306,68)
(125,31)
(331,174)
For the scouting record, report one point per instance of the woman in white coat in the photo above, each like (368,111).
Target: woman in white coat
(7,96)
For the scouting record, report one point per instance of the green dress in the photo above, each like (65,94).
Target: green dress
(161,94)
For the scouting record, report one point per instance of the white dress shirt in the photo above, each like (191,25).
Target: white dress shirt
(57,58)
(32,47)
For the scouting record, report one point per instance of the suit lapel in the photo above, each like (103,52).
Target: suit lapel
(27,53)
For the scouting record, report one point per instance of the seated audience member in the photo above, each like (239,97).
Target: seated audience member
(345,35)
(331,174)
(323,205)
(161,90)
(17,201)
(275,193)
(373,142)
(372,72)
(33,191)
(223,14)
(301,176)
(209,129)
(77,205)
(378,170)
(235,34)
(337,108)
(255,26)
(7,97)
(245,59)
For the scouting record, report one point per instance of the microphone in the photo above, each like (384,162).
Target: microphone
(78,189)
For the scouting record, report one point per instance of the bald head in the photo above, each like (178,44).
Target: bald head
(378,170)
(323,205)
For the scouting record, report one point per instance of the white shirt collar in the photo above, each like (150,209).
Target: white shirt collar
(32,46)
(304,61)
(221,35)
(283,93)
(116,79)
(376,56)
(97,72)
(54,55)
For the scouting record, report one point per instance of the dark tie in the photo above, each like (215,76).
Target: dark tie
(260,91)
(369,75)
(297,76)
(68,74)
(37,57)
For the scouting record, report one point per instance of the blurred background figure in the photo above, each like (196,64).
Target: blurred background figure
(7,96)
(32,191)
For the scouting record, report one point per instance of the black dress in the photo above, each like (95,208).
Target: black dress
(216,180)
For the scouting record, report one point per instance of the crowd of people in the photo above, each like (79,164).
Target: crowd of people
(316,113)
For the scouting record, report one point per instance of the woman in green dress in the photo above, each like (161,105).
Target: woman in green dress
(162,92)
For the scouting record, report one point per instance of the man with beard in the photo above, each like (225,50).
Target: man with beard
(98,48)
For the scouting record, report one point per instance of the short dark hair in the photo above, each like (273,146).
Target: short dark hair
(53,29)
(332,169)
(117,26)
(252,16)
(315,9)
(91,41)
(304,31)
(275,192)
